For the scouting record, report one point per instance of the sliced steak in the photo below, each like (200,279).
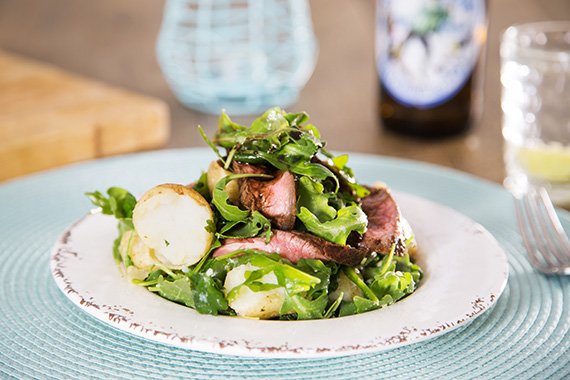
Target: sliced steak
(384,227)
(295,245)
(276,199)
(244,168)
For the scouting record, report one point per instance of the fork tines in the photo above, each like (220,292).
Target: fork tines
(546,242)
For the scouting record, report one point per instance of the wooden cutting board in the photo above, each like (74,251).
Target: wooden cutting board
(49,117)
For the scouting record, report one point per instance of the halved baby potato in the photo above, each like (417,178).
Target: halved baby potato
(345,286)
(263,304)
(408,233)
(142,257)
(215,173)
(172,220)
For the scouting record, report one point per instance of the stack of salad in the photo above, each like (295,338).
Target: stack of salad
(276,228)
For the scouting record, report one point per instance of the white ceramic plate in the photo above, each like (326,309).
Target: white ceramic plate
(465,272)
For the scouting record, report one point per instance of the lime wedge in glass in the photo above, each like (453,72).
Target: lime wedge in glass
(550,162)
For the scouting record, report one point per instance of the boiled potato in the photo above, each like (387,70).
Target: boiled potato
(172,219)
(265,304)
(215,173)
(347,287)
(132,245)
(140,255)
(134,273)
(409,233)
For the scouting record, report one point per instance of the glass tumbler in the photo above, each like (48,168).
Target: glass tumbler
(243,56)
(535,77)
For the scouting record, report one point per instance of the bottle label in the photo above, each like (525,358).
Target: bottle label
(427,49)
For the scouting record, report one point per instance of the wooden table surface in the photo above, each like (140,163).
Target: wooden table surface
(114,41)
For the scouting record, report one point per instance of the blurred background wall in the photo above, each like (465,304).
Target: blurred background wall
(114,41)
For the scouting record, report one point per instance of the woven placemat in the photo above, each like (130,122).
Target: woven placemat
(43,335)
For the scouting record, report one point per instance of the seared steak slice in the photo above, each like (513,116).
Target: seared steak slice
(384,228)
(244,168)
(276,199)
(295,245)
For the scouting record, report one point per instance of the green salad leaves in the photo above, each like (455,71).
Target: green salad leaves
(248,281)
(283,141)
(119,203)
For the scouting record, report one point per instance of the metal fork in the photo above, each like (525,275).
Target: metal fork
(546,242)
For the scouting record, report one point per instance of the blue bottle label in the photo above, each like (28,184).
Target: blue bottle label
(427,49)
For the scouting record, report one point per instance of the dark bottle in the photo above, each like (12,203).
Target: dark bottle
(427,55)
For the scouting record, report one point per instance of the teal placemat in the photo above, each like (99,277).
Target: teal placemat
(43,335)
